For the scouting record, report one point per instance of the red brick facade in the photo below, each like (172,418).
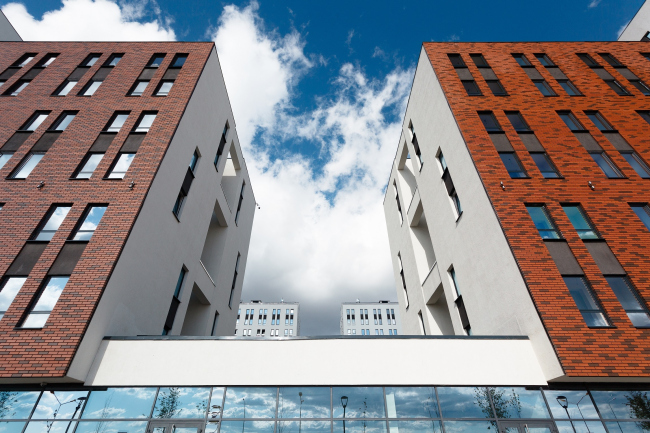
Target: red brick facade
(622,350)
(47,352)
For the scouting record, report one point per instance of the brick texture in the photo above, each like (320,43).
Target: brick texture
(622,350)
(47,352)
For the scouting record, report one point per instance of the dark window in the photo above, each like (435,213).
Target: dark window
(589,61)
(51,223)
(496,87)
(179,61)
(456,200)
(645,115)
(542,221)
(156,60)
(513,165)
(599,121)
(544,60)
(241,200)
(479,60)
(456,60)
(517,121)
(194,160)
(138,88)
(569,88)
(234,281)
(399,205)
(521,60)
(178,204)
(645,37)
(606,164)
(489,121)
(88,223)
(591,311)
(611,60)
(630,300)
(643,212)
(641,87)
(545,165)
(571,121)
(113,60)
(580,222)
(63,121)
(617,87)
(471,88)
(90,60)
(637,164)
(544,88)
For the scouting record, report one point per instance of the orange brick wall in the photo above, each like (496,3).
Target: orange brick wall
(47,352)
(618,351)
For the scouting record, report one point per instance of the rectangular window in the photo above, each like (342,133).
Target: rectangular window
(18,87)
(376,331)
(28,165)
(156,61)
(617,87)
(145,122)
(117,121)
(35,121)
(591,311)
(599,121)
(89,222)
(489,121)
(164,88)
(90,60)
(4,157)
(40,312)
(471,88)
(234,281)
(542,221)
(179,61)
(8,291)
(570,120)
(63,121)
(544,88)
(239,203)
(637,164)
(401,274)
(544,60)
(496,87)
(630,300)
(456,60)
(513,165)
(522,60)
(452,274)
(90,88)
(178,204)
(518,122)
(121,166)
(545,165)
(113,60)
(399,206)
(88,165)
(580,222)
(139,87)
(606,165)
(643,212)
(51,223)
(65,88)
(569,88)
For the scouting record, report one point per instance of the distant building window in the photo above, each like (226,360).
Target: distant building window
(630,300)
(591,311)
(156,61)
(51,223)
(145,122)
(121,166)
(90,88)
(580,222)
(90,221)
(643,212)
(8,291)
(47,299)
(139,88)
(542,221)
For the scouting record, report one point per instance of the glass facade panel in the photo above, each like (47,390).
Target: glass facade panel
(120,403)
(415,402)
(518,403)
(250,403)
(16,405)
(247,427)
(111,427)
(623,404)
(358,402)
(304,426)
(628,427)
(571,404)
(50,427)
(60,405)
(181,403)
(464,402)
(469,427)
(359,426)
(580,427)
(415,427)
(11,427)
(295,402)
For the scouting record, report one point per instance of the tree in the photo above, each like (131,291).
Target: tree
(639,404)
(7,401)
(169,403)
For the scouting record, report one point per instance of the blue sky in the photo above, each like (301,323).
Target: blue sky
(318,90)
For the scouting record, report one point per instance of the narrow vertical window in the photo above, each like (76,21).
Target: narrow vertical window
(8,291)
(47,299)
(178,204)
(51,223)
(88,165)
(452,275)
(138,88)
(234,281)
(239,203)
(583,226)
(215,321)
(545,165)
(89,222)
(117,121)
(591,311)
(630,300)
(121,166)
(401,274)
(145,122)
(543,223)
(399,206)
(421,321)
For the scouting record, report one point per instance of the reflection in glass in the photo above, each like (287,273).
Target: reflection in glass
(60,405)
(581,427)
(177,402)
(50,427)
(415,427)
(11,427)
(518,403)
(121,166)
(304,426)
(362,402)
(571,404)
(247,427)
(628,427)
(249,403)
(312,402)
(623,404)
(8,292)
(465,402)
(46,233)
(90,223)
(216,404)
(90,165)
(111,427)
(359,426)
(43,308)
(120,403)
(469,427)
(414,402)
(16,405)
(28,165)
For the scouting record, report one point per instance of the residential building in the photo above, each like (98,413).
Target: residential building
(126,205)
(518,201)
(370,318)
(638,29)
(268,319)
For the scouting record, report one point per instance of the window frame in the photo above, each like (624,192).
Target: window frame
(116,160)
(82,219)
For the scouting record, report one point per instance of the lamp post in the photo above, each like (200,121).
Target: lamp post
(80,400)
(243,422)
(564,402)
(344,403)
(300,416)
(581,415)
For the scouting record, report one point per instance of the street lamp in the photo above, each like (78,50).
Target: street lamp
(300,416)
(243,422)
(344,403)
(564,402)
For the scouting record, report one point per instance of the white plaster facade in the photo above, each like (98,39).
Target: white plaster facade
(382,318)
(7,30)
(268,319)
(639,26)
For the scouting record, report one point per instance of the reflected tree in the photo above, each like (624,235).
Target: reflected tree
(102,425)
(169,403)
(505,406)
(7,404)
(639,404)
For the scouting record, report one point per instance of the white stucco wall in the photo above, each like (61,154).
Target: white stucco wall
(7,30)
(399,361)
(638,26)
(495,295)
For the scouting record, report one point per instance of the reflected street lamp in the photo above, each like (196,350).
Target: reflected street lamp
(344,403)
(564,402)
(243,422)
(300,422)
(614,413)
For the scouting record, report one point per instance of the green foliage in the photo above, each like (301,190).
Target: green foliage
(639,404)
(7,401)
(169,404)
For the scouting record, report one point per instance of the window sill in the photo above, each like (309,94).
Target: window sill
(113,179)
(78,178)
(176,216)
(458,218)
(602,327)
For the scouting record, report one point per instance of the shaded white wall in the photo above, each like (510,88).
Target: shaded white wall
(7,31)
(639,26)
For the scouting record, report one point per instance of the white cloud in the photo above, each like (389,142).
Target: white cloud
(621,29)
(594,3)
(91,20)
(320,236)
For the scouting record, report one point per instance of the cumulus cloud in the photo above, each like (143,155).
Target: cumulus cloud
(320,236)
(91,20)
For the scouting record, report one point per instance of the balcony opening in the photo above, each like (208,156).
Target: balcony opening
(215,242)
(231,180)
(197,315)
(438,315)
(425,258)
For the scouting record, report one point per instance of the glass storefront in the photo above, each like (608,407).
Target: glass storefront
(325,410)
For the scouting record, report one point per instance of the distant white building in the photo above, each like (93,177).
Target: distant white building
(267,319)
(370,318)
